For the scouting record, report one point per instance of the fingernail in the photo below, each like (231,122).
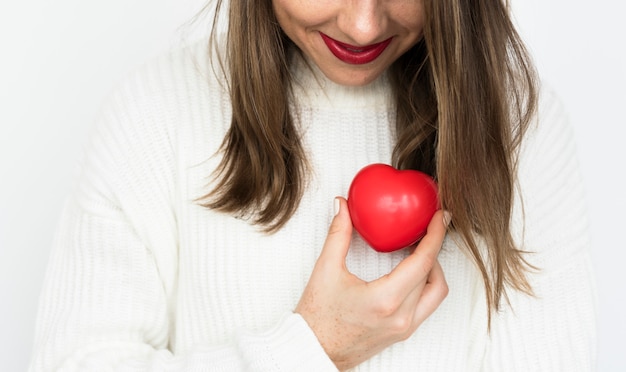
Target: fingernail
(336,206)
(447,217)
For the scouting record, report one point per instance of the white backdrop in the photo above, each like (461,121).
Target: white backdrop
(59,59)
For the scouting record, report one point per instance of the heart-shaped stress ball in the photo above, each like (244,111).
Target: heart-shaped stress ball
(391,208)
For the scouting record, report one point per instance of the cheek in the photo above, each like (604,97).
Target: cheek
(298,14)
(410,15)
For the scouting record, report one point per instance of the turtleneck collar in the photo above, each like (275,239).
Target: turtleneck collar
(312,88)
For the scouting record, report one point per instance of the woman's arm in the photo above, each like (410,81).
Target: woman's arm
(109,298)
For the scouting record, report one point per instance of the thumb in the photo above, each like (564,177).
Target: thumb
(339,234)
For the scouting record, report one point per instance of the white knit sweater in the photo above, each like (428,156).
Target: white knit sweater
(143,278)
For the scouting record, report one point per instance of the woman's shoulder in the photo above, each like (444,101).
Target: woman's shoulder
(148,123)
(553,216)
(548,131)
(179,74)
(551,115)
(178,90)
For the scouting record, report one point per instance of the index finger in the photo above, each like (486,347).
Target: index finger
(414,270)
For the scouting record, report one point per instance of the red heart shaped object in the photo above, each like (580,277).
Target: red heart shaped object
(391,208)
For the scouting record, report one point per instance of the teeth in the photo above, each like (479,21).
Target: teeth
(355,50)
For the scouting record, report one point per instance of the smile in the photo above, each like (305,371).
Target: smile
(355,55)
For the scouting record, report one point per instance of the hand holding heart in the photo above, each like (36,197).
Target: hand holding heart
(355,320)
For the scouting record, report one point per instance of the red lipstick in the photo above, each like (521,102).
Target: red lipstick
(352,54)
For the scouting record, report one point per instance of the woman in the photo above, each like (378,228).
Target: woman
(199,239)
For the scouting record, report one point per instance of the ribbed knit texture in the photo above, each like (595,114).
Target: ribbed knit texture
(143,278)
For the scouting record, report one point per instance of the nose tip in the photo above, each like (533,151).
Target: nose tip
(363,21)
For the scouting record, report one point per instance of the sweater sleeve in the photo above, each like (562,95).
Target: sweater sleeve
(554,330)
(109,296)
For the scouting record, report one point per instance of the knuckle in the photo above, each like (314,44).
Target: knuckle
(428,261)
(335,227)
(339,227)
(433,241)
(444,289)
(402,326)
(387,307)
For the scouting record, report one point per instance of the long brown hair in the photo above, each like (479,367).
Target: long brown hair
(465,96)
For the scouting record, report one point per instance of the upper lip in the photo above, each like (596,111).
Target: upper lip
(356,48)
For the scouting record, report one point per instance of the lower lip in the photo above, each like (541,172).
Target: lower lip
(352,54)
